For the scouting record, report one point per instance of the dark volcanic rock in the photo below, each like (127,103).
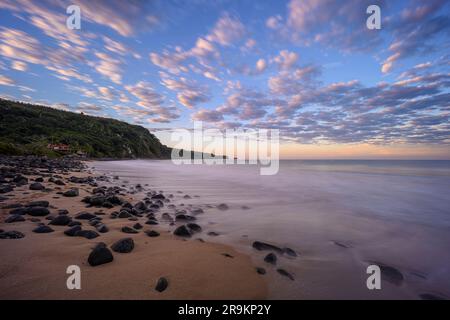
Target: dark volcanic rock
(431,296)
(85,216)
(162,284)
(127,229)
(123,245)
(285,273)
(14,218)
(151,222)
(194,227)
(100,255)
(271,258)
(20,211)
(72,231)
(38,211)
(152,233)
(38,204)
(182,231)
(184,217)
(71,193)
(260,270)
(124,214)
(63,211)
(266,246)
(290,252)
(137,226)
(158,196)
(43,229)
(213,234)
(6,188)
(61,220)
(223,206)
(389,273)
(88,234)
(102,228)
(36,186)
(74,223)
(11,235)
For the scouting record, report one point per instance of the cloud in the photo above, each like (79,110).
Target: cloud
(189,93)
(261,65)
(108,67)
(19,66)
(286,59)
(227,30)
(414,31)
(6,81)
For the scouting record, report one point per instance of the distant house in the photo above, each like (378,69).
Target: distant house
(59,147)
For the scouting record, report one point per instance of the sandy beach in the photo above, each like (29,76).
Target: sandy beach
(34,267)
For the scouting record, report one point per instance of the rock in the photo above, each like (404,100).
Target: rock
(152,233)
(102,228)
(431,296)
(266,246)
(39,179)
(124,214)
(14,218)
(11,235)
(61,220)
(88,234)
(151,222)
(71,193)
(127,229)
(38,204)
(227,255)
(158,196)
(260,270)
(20,211)
(59,183)
(38,211)
(43,229)
(72,231)
(271,258)
(223,206)
(94,222)
(137,226)
(125,245)
(50,217)
(389,273)
(194,227)
(213,234)
(100,255)
(197,211)
(184,217)
(63,212)
(36,186)
(74,223)
(162,284)
(85,216)
(285,273)
(182,231)
(289,252)
(6,188)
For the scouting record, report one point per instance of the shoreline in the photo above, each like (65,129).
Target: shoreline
(34,267)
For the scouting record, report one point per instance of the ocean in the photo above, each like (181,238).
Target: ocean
(339,215)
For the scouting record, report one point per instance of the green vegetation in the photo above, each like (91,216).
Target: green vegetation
(28,129)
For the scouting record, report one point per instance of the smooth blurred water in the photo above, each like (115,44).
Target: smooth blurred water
(397,212)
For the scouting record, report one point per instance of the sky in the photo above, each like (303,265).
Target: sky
(309,68)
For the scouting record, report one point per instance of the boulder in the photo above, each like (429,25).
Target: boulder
(125,245)
(36,186)
(71,193)
(100,255)
(38,211)
(61,220)
(14,218)
(88,234)
(162,284)
(11,235)
(72,231)
(182,231)
(127,229)
(43,229)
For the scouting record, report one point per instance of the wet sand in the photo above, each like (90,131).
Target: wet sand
(34,267)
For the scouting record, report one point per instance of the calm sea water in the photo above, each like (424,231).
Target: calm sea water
(392,212)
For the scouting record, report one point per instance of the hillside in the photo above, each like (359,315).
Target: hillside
(28,129)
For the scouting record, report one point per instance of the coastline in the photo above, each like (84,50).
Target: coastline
(34,267)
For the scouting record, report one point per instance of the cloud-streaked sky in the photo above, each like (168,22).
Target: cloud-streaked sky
(310,68)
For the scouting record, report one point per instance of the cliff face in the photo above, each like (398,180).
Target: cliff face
(28,129)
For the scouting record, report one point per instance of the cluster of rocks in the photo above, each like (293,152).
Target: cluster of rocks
(272,258)
(13,171)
